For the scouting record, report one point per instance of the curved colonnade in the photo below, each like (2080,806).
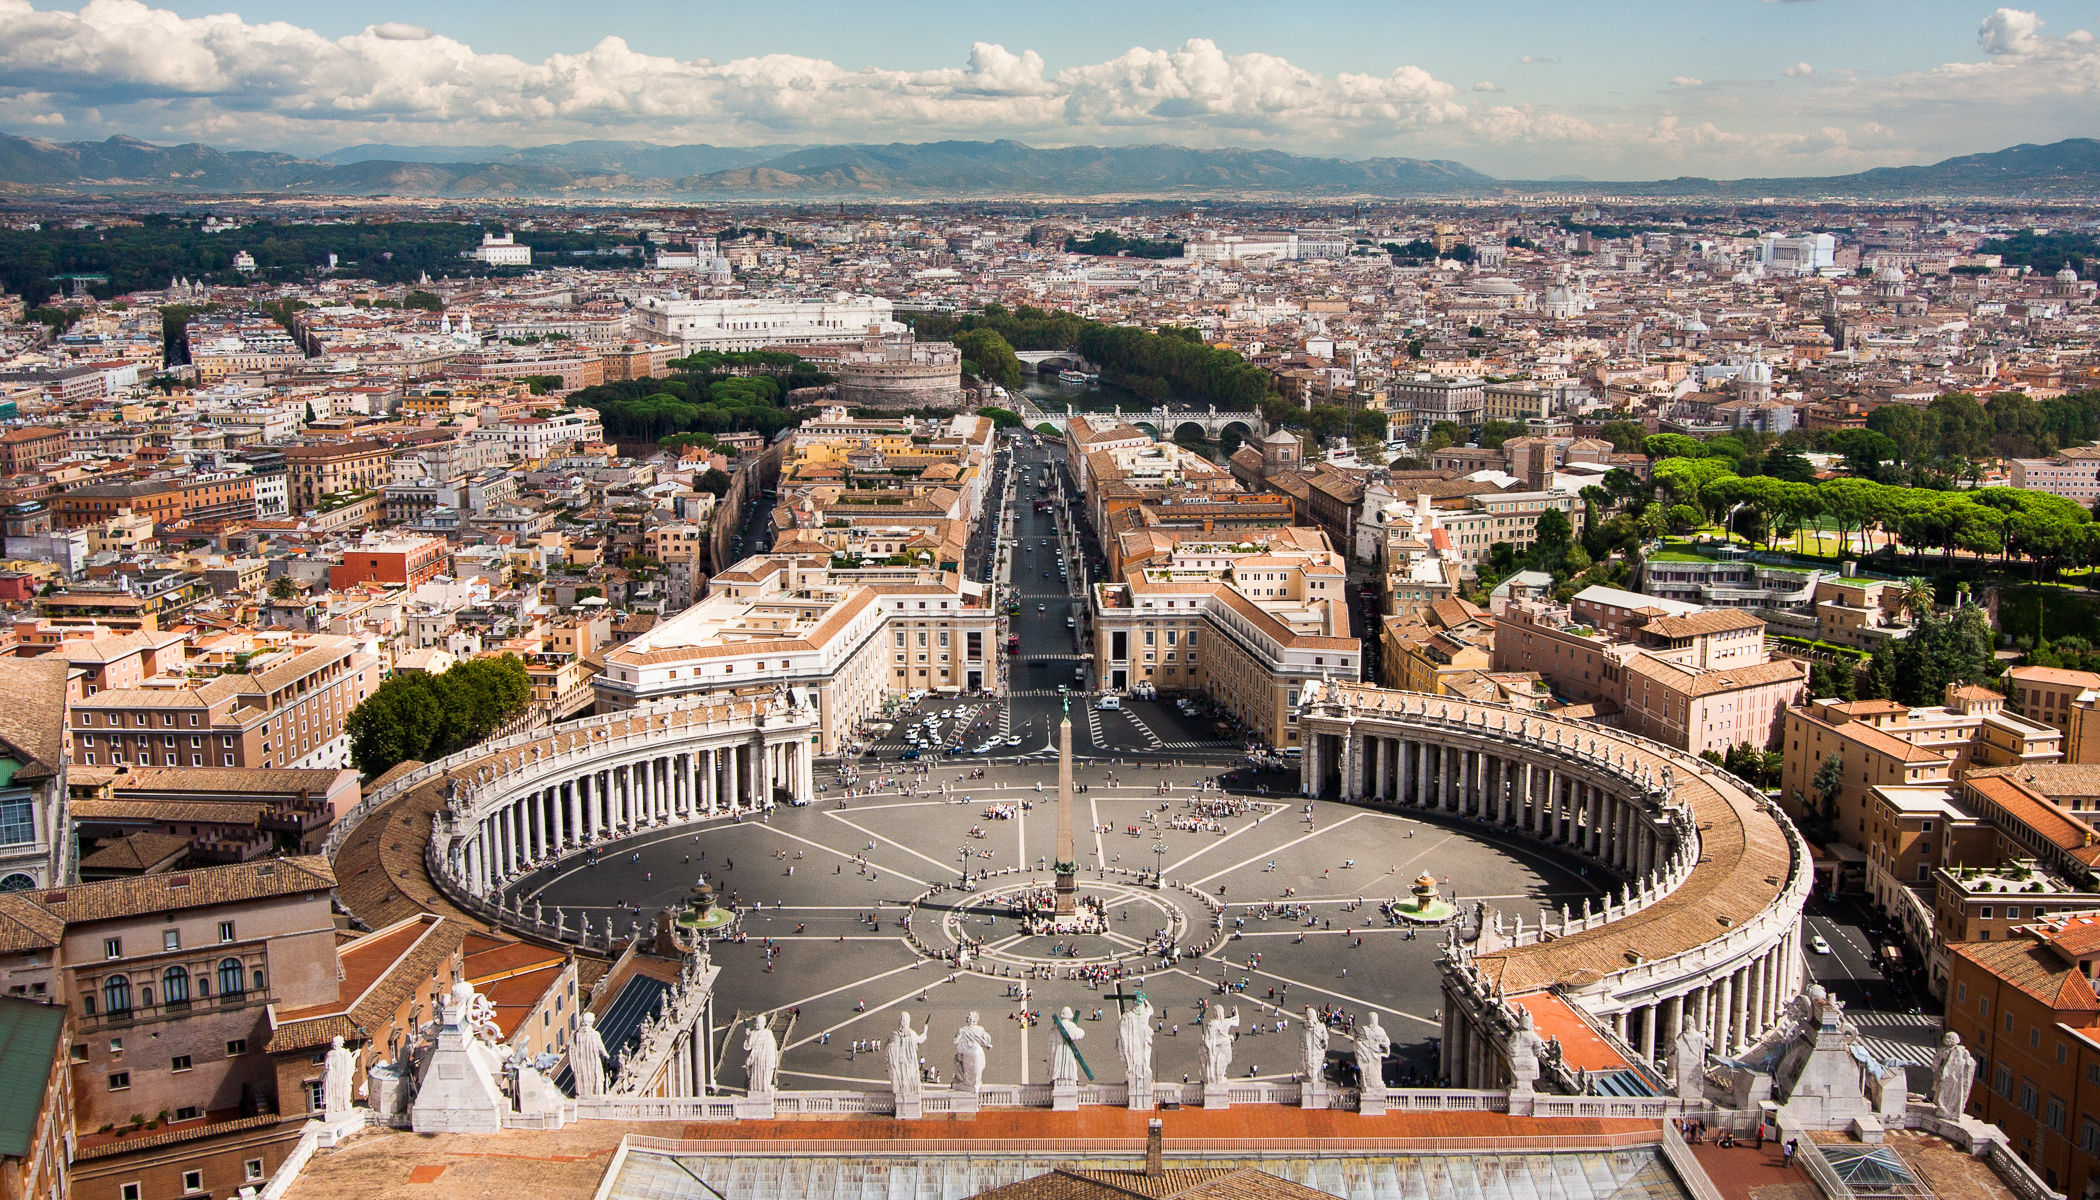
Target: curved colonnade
(521,803)
(1704,931)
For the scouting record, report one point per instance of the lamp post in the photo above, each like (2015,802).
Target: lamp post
(1159,860)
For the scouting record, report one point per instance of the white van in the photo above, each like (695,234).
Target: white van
(1108,704)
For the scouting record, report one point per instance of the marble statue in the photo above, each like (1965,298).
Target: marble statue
(1372,1045)
(1134,1042)
(1314,1045)
(587,1058)
(1953,1072)
(904,1059)
(761,1056)
(972,1042)
(336,1073)
(1217,1045)
(1688,1063)
(1524,1055)
(1064,1050)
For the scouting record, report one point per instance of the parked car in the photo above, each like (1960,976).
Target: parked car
(1108,704)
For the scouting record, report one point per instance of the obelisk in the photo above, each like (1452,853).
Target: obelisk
(1067,858)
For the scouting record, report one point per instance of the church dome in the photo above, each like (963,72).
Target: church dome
(1889,274)
(2067,275)
(1757,372)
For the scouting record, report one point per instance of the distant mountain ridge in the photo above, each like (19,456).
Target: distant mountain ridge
(932,170)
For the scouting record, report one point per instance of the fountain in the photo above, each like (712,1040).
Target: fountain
(701,914)
(1428,907)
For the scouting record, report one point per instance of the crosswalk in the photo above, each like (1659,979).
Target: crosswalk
(1898,1037)
(1093,727)
(1201,744)
(1151,738)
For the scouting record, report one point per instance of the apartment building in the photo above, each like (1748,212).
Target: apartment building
(289,713)
(1419,402)
(1249,637)
(2073,474)
(529,438)
(36,1114)
(2026,1008)
(1882,743)
(24,450)
(334,469)
(2046,694)
(36,836)
(404,562)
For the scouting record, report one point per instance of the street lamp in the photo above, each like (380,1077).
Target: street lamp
(1159,860)
(963,853)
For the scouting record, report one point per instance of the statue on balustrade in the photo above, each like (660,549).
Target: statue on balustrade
(761,1056)
(1218,1029)
(972,1043)
(1372,1045)
(1134,1042)
(587,1058)
(904,1058)
(1953,1072)
(1313,1048)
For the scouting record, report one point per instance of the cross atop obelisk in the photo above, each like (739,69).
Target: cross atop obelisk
(1067,857)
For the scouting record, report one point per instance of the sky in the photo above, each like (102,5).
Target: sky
(1604,89)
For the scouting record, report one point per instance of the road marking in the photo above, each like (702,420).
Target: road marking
(1270,853)
(878,837)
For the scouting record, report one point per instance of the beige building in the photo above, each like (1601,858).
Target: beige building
(1885,744)
(334,469)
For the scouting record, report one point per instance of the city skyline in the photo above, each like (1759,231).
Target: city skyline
(1611,91)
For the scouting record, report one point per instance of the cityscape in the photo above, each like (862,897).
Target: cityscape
(1363,635)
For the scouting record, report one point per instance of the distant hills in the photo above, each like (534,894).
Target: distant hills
(591,170)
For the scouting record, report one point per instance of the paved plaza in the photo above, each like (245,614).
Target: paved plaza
(827,888)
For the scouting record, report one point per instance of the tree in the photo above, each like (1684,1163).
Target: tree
(1552,529)
(282,588)
(1494,433)
(1002,418)
(1819,823)
(987,355)
(419,717)
(1625,436)
(712,480)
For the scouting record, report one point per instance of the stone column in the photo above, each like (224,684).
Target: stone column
(1672,1010)
(1444,799)
(1648,1033)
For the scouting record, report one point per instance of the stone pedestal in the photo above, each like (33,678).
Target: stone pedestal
(1219,1096)
(1370,1102)
(1064,1097)
(963,1104)
(1313,1093)
(910,1108)
(754,1108)
(1141,1096)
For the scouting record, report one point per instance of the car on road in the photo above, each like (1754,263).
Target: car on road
(1013,740)
(1108,704)
(1817,944)
(909,755)
(1039,608)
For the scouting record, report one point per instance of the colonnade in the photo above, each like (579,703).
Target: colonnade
(1557,801)
(603,803)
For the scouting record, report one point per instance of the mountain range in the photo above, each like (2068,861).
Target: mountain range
(593,170)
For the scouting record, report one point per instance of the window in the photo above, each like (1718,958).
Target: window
(129,1191)
(180,1062)
(171,939)
(17,821)
(119,1081)
(192,1181)
(252,1170)
(2030,1097)
(187,1112)
(226,933)
(112,947)
(231,982)
(312,1088)
(116,995)
(236,1047)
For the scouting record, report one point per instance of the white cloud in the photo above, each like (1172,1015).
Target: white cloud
(123,66)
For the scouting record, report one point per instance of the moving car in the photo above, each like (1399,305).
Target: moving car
(909,755)
(1108,704)
(1817,944)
